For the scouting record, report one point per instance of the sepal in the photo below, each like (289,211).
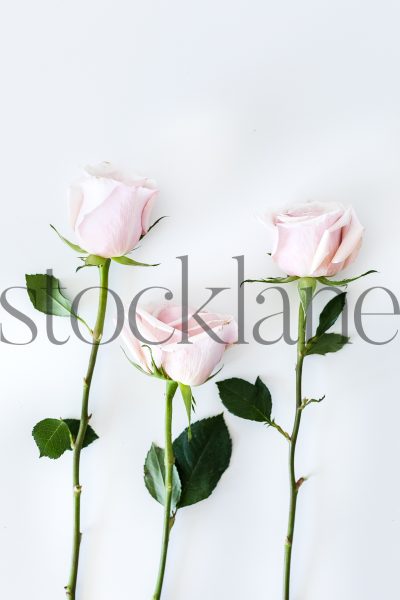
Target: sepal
(277,280)
(189,402)
(92,260)
(343,282)
(125,260)
(73,246)
(153,225)
(157,372)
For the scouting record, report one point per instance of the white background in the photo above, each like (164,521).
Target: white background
(233,107)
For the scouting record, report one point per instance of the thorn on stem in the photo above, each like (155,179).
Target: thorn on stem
(300,482)
(307,401)
(172,520)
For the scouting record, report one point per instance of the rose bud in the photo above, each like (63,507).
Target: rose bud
(188,363)
(110,210)
(315,239)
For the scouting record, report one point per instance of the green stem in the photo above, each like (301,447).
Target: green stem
(70,588)
(169,463)
(294,484)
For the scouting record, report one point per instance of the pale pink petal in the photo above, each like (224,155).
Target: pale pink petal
(95,191)
(350,259)
(192,364)
(173,316)
(329,242)
(169,314)
(151,197)
(108,170)
(75,203)
(268,220)
(155,330)
(351,239)
(226,332)
(135,350)
(212,321)
(298,243)
(114,227)
(308,211)
(225,329)
(314,238)
(295,250)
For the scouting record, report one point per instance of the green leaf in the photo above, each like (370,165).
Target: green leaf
(272,280)
(52,437)
(188,401)
(125,260)
(202,460)
(90,435)
(326,281)
(327,342)
(45,295)
(154,477)
(246,400)
(330,313)
(70,244)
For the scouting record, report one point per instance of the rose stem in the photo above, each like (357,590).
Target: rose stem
(169,460)
(294,484)
(77,488)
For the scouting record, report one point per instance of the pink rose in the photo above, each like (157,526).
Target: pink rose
(190,364)
(315,239)
(110,210)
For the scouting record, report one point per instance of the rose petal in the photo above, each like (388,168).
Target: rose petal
(75,203)
(146,214)
(193,363)
(94,191)
(299,243)
(134,347)
(155,330)
(113,228)
(330,241)
(351,239)
(108,170)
